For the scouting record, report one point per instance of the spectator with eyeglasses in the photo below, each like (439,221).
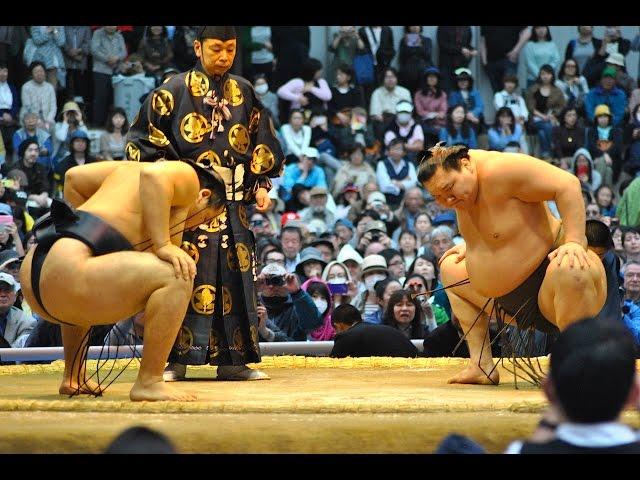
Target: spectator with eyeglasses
(631,276)
(395,263)
(260,226)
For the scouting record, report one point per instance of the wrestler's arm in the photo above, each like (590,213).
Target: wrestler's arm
(533,180)
(81,182)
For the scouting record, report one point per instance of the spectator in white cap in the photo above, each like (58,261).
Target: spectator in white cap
(352,260)
(406,128)
(374,269)
(15,325)
(305,172)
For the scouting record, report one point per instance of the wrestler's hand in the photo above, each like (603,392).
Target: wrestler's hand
(459,250)
(575,251)
(183,264)
(263,202)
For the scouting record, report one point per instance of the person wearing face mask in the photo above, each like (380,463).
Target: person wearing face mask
(311,264)
(406,128)
(340,283)
(267,97)
(285,311)
(213,119)
(374,269)
(318,289)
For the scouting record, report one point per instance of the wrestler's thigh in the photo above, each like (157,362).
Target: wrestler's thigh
(573,284)
(451,273)
(108,288)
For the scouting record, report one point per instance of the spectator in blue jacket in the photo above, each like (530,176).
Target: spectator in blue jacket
(505,131)
(305,172)
(458,129)
(465,94)
(608,94)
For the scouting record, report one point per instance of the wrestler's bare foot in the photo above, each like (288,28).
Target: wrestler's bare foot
(158,391)
(71,387)
(474,375)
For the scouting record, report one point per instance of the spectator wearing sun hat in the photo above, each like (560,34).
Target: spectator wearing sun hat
(607,93)
(69,121)
(623,79)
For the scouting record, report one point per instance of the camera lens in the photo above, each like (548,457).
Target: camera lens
(276,281)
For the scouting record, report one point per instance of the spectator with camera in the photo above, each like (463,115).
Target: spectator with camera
(383,290)
(374,269)
(510,97)
(284,304)
(375,231)
(70,121)
(434,314)
(341,284)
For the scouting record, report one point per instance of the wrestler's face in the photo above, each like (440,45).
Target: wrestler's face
(454,188)
(215,55)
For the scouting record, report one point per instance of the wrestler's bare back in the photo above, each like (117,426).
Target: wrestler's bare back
(506,238)
(118,202)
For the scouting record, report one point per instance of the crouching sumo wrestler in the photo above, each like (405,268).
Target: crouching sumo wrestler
(116,253)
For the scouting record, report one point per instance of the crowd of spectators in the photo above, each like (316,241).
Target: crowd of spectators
(349,224)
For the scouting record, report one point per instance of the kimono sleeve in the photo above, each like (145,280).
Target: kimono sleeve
(149,137)
(267,159)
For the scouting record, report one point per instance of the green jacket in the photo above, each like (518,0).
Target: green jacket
(628,210)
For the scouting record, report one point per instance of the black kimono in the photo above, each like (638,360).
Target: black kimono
(177,121)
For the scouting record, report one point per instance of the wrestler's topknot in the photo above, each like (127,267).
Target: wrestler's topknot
(440,156)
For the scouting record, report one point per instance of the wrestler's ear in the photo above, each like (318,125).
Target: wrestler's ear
(197,48)
(204,194)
